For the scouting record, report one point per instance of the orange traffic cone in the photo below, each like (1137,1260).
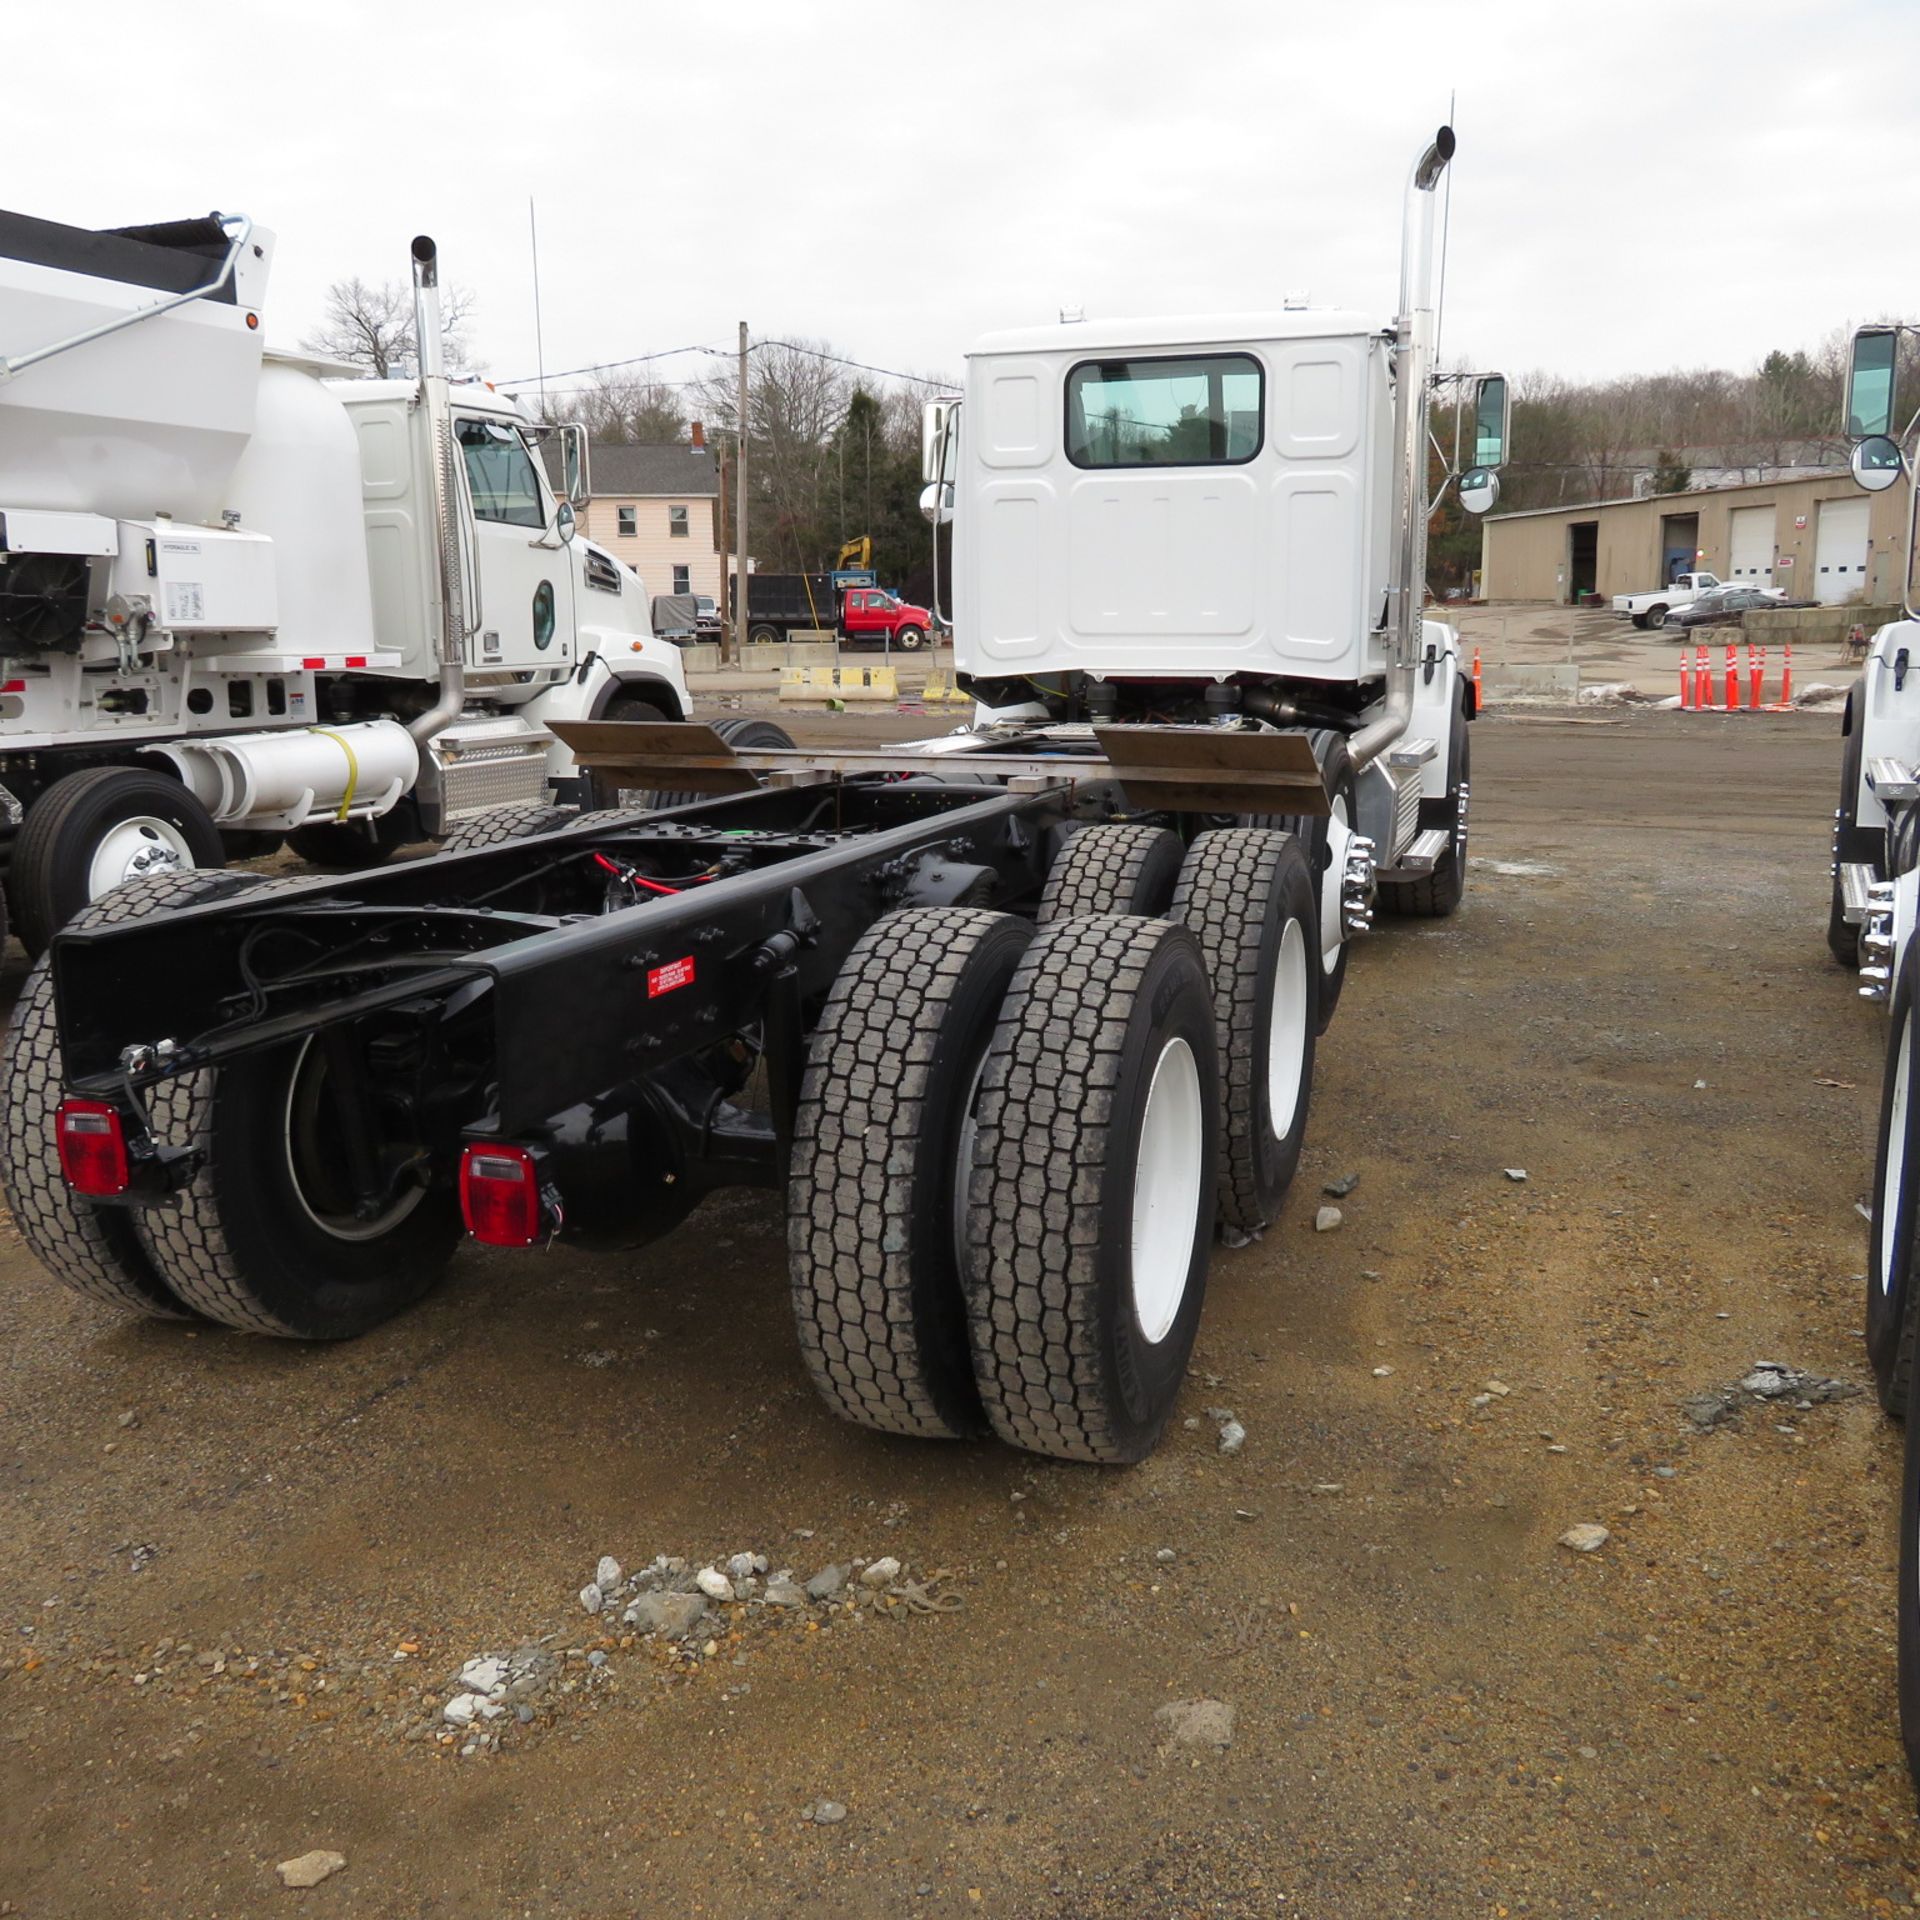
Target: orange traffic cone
(1733,678)
(1686,682)
(1756,673)
(1702,678)
(1477,702)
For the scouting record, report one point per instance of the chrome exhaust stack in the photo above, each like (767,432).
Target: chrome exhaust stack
(1413,331)
(449,574)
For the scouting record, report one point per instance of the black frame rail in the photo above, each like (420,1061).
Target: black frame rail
(577,1002)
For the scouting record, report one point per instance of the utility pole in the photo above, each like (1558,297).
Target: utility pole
(740,514)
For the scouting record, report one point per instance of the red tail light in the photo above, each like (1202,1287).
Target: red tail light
(93,1148)
(500,1196)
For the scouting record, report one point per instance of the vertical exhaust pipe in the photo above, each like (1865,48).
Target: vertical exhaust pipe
(451,636)
(1413,330)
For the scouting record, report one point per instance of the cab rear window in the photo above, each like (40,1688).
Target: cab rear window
(1197,410)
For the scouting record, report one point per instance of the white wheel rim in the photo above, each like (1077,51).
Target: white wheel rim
(963,1162)
(129,848)
(1333,932)
(303,1093)
(1287,1031)
(1166,1190)
(1896,1174)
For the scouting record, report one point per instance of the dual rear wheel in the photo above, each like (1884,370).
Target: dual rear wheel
(1013,1144)
(305,1218)
(1893,1309)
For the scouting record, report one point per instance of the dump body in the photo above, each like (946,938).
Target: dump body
(152,419)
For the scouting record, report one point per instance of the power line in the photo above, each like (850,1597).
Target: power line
(609,366)
(840,360)
(792,346)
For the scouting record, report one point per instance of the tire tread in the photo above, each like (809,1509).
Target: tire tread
(1034,1200)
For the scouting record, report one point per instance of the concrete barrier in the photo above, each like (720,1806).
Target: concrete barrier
(810,653)
(940,691)
(702,656)
(840,683)
(1809,626)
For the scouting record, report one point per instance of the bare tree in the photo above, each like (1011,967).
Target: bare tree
(796,397)
(372,326)
(625,410)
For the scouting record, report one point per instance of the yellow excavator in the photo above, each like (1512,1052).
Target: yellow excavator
(855,553)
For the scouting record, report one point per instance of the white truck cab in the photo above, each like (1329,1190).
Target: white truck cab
(243,596)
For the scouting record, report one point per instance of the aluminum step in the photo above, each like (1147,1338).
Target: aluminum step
(1412,753)
(1856,876)
(1421,856)
(1892,779)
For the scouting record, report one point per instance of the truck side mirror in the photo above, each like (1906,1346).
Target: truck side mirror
(1492,418)
(1870,384)
(576,481)
(938,419)
(1479,490)
(565,522)
(1875,462)
(936,502)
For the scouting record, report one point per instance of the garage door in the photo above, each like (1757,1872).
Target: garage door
(1752,561)
(1840,550)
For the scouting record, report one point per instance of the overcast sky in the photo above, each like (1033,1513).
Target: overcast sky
(1641,185)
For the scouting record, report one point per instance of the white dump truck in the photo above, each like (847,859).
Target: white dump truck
(224,613)
(1034,1005)
(1873,908)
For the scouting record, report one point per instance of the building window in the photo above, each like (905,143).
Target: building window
(628,522)
(677,522)
(682,579)
(1195,411)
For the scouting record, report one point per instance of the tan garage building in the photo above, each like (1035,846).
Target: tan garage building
(1821,539)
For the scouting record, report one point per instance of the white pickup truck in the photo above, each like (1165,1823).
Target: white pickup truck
(1650,609)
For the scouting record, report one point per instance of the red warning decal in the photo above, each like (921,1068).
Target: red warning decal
(676,973)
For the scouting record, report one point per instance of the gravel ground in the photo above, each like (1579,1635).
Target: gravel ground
(240,1581)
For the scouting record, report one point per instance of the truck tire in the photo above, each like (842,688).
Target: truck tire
(1325,839)
(763,636)
(910,639)
(1247,895)
(604,789)
(741,730)
(524,820)
(1113,869)
(882,1143)
(355,846)
(91,831)
(1843,936)
(1907,1614)
(94,1250)
(1654,617)
(1090,1203)
(1893,1323)
(1436,895)
(263,1238)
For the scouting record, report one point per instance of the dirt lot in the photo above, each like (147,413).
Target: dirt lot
(1439,1710)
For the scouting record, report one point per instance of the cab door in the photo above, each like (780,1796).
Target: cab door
(525,611)
(858,621)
